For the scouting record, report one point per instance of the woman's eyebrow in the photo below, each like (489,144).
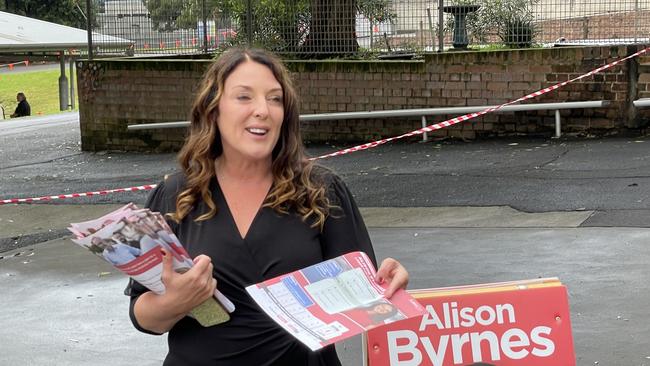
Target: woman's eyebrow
(247,87)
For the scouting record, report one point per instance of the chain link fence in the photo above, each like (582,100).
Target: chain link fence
(366,28)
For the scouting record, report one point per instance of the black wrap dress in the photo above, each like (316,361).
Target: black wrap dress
(274,245)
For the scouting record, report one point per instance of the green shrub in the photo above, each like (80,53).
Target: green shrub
(510,21)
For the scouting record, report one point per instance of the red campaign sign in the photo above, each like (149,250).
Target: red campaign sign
(517,327)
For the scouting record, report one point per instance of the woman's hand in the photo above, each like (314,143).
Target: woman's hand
(185,291)
(394,273)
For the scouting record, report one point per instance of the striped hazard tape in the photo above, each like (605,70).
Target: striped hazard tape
(369,145)
(11,65)
(75,195)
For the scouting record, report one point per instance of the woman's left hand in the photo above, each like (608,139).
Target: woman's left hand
(394,273)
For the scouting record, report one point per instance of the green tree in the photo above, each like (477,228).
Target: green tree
(281,26)
(169,15)
(309,27)
(376,10)
(66,12)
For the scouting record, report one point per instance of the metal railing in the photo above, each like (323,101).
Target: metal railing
(419,112)
(323,28)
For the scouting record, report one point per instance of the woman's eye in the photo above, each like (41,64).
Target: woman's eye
(276,99)
(243,97)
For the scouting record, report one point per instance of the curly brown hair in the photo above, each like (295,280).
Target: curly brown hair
(295,186)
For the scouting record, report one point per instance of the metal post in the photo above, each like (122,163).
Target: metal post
(636,21)
(425,135)
(422,34)
(63,85)
(72,106)
(89,29)
(372,40)
(433,34)
(205,26)
(364,348)
(249,21)
(441,26)
(558,124)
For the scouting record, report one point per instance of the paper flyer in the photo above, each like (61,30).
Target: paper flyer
(332,301)
(131,240)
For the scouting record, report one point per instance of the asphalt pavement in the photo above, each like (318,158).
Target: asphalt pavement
(453,212)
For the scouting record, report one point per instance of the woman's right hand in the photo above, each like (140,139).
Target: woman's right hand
(185,291)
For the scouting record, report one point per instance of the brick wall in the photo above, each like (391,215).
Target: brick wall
(594,27)
(115,93)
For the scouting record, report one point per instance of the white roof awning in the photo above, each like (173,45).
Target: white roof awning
(23,34)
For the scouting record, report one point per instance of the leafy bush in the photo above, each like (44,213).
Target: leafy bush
(518,33)
(510,21)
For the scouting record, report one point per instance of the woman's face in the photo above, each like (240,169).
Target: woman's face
(130,232)
(383,308)
(251,111)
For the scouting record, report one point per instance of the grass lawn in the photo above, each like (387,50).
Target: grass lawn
(40,87)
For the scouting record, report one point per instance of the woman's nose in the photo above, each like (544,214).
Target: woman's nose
(261,108)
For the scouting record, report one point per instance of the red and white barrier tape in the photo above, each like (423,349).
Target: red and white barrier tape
(11,65)
(74,195)
(365,146)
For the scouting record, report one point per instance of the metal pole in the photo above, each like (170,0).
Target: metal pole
(425,135)
(89,29)
(422,34)
(71,82)
(205,26)
(441,26)
(558,124)
(433,33)
(63,85)
(364,348)
(249,21)
(636,21)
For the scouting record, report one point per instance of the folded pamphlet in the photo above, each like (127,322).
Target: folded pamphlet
(332,301)
(131,240)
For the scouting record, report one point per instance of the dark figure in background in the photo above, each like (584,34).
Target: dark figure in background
(22,109)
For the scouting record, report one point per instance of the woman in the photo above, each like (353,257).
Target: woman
(116,253)
(248,206)
(374,314)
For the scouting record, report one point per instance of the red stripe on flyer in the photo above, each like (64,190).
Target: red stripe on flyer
(142,263)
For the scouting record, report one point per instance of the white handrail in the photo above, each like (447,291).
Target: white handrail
(421,112)
(644,102)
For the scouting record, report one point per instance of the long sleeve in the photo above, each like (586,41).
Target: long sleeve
(344,230)
(157,202)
